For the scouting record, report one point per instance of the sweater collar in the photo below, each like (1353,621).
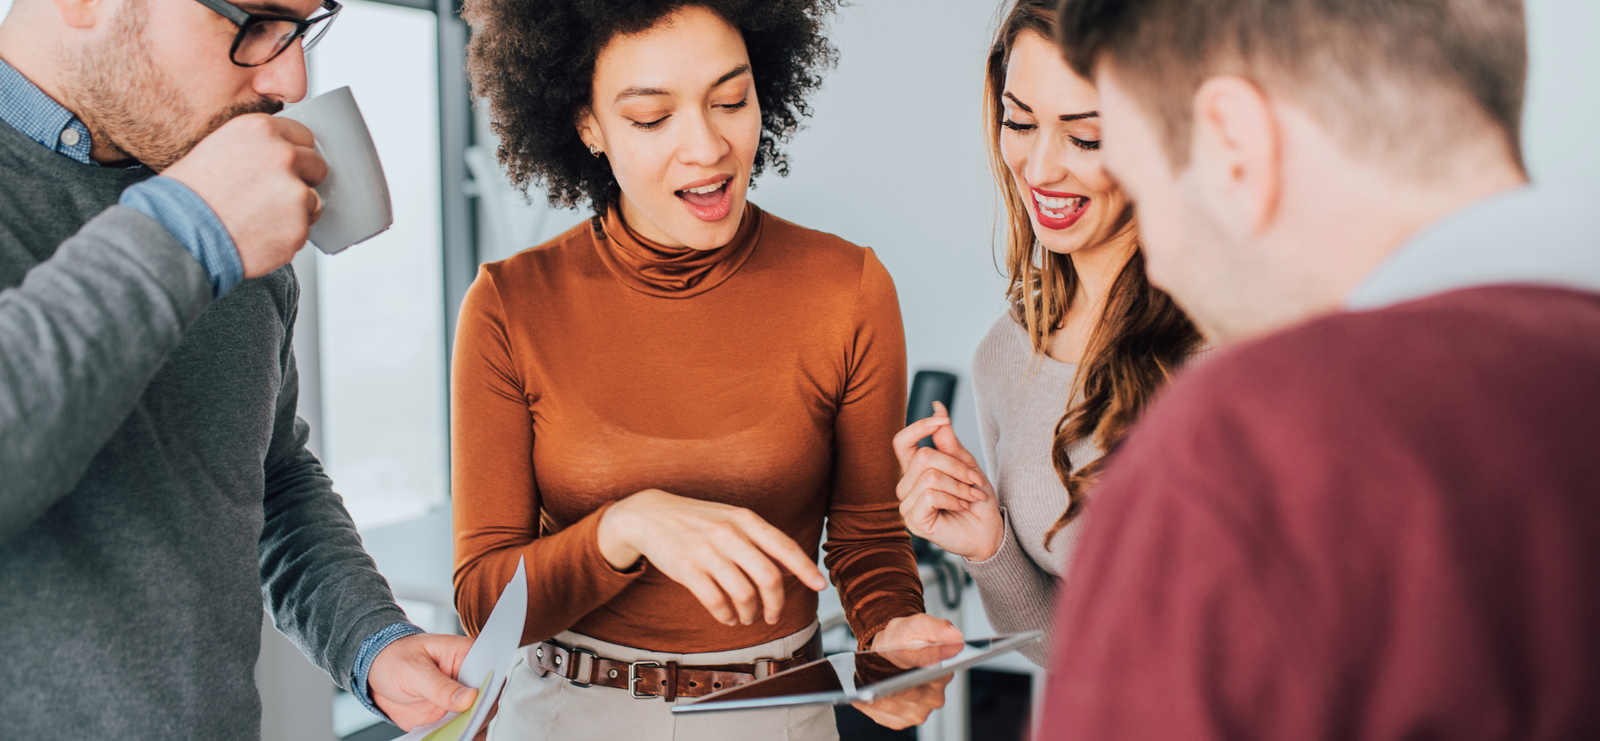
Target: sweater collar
(669,272)
(1531,235)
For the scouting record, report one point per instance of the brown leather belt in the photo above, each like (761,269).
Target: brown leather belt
(665,679)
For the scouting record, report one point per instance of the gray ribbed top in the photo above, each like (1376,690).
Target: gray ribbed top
(1020,398)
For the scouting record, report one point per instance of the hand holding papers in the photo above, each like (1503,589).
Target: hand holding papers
(486,664)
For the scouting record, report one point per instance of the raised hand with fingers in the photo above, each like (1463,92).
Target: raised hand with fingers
(944,496)
(729,558)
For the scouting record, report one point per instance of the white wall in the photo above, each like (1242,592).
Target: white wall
(381,302)
(1563,104)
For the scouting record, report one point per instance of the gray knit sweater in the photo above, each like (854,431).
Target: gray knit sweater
(1020,397)
(155,488)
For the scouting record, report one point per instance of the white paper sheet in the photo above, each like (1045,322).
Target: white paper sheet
(486,664)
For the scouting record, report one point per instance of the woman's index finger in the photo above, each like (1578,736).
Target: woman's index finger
(787,553)
(905,441)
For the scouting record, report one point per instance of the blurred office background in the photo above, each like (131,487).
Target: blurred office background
(892,159)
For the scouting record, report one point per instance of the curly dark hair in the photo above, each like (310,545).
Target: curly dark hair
(533,60)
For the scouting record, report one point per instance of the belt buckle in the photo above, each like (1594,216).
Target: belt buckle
(594,665)
(634,678)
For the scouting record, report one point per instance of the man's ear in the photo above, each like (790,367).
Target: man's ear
(81,14)
(1236,154)
(589,131)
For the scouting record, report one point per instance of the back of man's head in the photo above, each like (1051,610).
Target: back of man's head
(1400,80)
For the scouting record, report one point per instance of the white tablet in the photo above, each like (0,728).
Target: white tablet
(862,676)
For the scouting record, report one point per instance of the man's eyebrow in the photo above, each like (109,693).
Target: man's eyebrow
(647,92)
(271,8)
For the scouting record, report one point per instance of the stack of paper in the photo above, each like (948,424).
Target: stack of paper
(486,664)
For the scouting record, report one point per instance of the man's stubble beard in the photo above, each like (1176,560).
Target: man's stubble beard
(129,103)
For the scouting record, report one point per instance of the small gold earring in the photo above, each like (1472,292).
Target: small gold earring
(594,150)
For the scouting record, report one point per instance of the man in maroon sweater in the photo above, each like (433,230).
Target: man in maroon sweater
(1376,514)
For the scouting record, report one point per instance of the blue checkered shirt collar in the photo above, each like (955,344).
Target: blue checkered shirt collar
(29,110)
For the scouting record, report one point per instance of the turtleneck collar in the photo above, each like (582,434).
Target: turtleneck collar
(672,272)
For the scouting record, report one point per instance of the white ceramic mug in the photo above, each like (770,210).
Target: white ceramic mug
(355,197)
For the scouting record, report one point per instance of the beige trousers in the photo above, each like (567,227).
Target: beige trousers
(535,708)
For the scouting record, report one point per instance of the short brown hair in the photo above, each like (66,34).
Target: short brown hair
(1399,78)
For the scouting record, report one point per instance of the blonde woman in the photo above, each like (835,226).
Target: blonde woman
(1061,377)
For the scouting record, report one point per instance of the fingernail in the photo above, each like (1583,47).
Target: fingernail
(462,697)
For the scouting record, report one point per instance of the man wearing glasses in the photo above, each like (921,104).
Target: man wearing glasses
(155,487)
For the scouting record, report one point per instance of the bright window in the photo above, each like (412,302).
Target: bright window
(381,303)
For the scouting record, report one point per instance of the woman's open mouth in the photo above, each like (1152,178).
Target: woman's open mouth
(710,199)
(1058,210)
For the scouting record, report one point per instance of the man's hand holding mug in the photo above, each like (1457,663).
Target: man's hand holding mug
(257,173)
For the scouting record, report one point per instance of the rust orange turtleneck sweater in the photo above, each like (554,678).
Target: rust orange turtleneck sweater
(767,374)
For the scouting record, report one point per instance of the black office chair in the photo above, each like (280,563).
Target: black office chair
(927,387)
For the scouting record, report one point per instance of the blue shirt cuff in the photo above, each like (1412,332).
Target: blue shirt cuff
(195,226)
(368,653)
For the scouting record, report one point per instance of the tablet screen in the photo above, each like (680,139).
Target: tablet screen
(859,676)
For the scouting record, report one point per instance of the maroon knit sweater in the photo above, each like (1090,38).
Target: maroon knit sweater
(1380,525)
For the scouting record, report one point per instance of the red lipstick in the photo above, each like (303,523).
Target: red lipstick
(1058,219)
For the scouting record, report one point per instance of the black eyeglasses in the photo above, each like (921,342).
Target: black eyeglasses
(263,37)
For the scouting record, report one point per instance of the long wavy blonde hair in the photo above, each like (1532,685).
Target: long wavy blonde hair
(1142,335)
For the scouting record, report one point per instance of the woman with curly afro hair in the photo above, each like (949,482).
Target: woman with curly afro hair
(658,410)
